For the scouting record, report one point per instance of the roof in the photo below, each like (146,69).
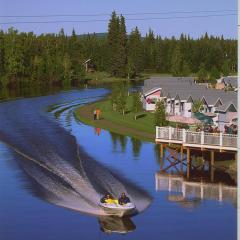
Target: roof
(231,81)
(150,91)
(185,88)
(226,107)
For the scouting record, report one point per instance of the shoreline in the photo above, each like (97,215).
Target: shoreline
(84,114)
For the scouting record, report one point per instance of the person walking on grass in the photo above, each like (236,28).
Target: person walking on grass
(98,113)
(94,114)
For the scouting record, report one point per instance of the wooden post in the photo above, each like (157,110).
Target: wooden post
(161,150)
(181,166)
(212,165)
(188,163)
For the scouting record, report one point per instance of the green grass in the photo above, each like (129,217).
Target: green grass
(145,123)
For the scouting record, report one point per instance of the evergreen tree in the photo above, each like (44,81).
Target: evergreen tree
(123,48)
(114,97)
(114,44)
(2,57)
(214,74)
(135,54)
(160,114)
(225,69)
(185,70)
(136,103)
(122,100)
(176,62)
(202,74)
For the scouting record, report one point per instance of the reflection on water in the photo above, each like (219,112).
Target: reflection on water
(111,224)
(118,139)
(190,183)
(136,146)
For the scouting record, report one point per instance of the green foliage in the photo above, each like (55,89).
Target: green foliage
(176,62)
(117,45)
(214,74)
(197,106)
(186,71)
(160,114)
(136,103)
(225,69)
(51,59)
(122,100)
(135,54)
(202,74)
(114,97)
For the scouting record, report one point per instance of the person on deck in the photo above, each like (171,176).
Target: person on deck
(123,199)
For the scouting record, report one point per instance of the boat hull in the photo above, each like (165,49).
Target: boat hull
(118,210)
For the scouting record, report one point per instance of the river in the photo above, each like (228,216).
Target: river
(54,170)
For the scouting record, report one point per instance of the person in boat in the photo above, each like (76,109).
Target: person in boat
(123,199)
(107,199)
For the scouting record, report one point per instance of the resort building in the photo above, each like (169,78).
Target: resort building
(180,93)
(228,83)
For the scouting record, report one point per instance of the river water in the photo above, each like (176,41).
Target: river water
(54,170)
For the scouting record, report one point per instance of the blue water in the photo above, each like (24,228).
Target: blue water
(28,211)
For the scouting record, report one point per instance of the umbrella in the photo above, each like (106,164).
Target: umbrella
(203,118)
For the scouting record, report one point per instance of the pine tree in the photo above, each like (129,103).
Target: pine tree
(214,74)
(114,45)
(136,103)
(176,62)
(160,114)
(2,57)
(114,97)
(135,54)
(202,74)
(122,100)
(185,70)
(225,69)
(122,48)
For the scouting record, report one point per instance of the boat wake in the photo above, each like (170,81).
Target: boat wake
(58,170)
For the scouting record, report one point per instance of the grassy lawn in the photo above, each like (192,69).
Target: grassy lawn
(143,128)
(144,123)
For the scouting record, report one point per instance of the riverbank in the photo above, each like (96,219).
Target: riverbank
(143,128)
(96,78)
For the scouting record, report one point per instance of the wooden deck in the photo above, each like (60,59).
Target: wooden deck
(202,140)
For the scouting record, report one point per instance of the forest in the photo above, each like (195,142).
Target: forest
(58,59)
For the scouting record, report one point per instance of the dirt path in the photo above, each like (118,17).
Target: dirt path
(85,115)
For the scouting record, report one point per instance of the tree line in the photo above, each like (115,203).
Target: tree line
(58,59)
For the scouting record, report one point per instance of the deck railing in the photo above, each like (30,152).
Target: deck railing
(186,137)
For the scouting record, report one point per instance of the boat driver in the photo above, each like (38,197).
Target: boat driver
(123,199)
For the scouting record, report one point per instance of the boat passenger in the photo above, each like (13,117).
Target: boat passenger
(107,199)
(123,199)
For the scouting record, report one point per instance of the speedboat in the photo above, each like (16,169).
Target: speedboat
(117,209)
